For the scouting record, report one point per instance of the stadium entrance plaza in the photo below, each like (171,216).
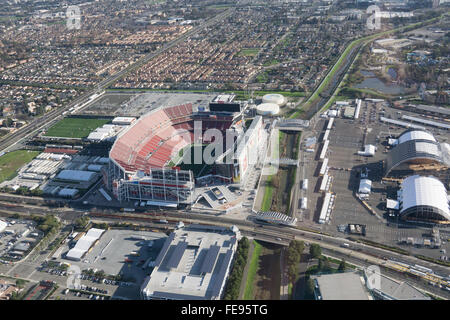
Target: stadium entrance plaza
(346,140)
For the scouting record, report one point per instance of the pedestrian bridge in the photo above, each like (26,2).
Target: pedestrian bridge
(283,161)
(292,124)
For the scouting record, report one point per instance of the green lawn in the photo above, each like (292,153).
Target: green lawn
(267,199)
(253,268)
(75,127)
(248,52)
(12,161)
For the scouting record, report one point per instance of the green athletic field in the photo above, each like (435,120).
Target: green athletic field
(12,161)
(75,127)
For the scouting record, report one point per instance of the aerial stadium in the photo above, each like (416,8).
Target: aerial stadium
(415,151)
(146,162)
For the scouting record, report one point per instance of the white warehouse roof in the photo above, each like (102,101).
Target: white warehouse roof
(423,191)
(416,135)
(84,244)
(76,175)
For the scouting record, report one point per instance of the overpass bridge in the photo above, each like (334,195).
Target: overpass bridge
(291,124)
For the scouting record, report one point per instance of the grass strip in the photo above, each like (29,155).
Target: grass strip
(253,268)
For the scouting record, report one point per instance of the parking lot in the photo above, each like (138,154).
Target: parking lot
(120,252)
(135,104)
(347,137)
(16,239)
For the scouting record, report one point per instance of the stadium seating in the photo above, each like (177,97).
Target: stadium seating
(152,140)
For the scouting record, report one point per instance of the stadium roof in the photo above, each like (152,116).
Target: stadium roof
(424,191)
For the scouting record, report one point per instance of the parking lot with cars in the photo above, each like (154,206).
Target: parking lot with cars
(345,165)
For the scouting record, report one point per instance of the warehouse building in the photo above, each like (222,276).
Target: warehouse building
(414,150)
(329,287)
(193,264)
(423,199)
(76,175)
(84,244)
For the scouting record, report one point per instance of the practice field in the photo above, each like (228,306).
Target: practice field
(75,127)
(12,161)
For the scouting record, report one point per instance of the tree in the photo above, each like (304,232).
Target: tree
(342,266)
(315,251)
(309,294)
(20,283)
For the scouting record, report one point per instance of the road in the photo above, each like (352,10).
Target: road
(8,142)
(357,252)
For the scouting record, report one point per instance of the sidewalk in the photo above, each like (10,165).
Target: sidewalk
(244,276)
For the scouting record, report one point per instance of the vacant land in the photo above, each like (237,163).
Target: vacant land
(75,127)
(12,161)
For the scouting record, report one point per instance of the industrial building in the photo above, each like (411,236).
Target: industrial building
(193,264)
(390,289)
(414,150)
(330,287)
(84,244)
(423,199)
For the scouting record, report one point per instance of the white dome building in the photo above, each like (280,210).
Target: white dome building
(268,109)
(274,98)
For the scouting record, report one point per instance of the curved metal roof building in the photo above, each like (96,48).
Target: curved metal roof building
(425,199)
(414,147)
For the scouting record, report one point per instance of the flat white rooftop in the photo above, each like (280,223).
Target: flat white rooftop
(194,263)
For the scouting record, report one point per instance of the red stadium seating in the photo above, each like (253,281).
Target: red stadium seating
(152,140)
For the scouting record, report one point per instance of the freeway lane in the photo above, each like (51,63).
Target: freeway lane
(358,254)
(285,233)
(8,141)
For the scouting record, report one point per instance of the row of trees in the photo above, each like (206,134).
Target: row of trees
(293,254)
(234,280)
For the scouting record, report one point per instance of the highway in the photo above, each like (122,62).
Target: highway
(8,142)
(356,253)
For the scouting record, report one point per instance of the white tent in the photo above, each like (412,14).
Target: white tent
(365,186)
(3,225)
